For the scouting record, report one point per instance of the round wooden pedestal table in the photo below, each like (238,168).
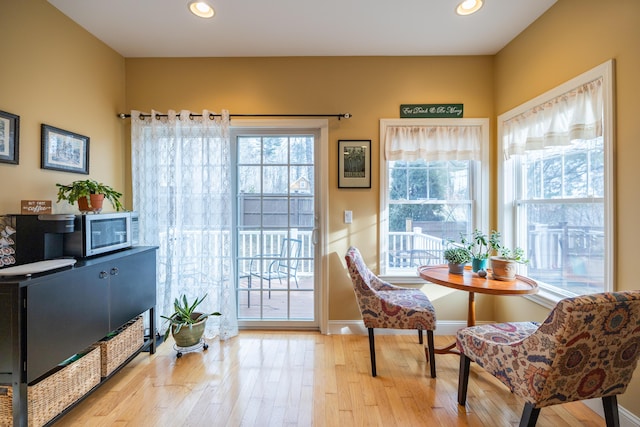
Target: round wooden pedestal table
(472,283)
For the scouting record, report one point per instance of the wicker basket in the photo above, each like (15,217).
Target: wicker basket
(6,410)
(55,393)
(117,349)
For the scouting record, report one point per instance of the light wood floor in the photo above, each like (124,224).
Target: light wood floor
(304,379)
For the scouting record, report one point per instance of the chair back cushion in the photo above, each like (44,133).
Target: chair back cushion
(598,345)
(588,347)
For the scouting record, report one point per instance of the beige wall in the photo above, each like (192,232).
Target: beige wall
(370,88)
(52,71)
(572,37)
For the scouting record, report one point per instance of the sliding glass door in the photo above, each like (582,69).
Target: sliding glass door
(275,227)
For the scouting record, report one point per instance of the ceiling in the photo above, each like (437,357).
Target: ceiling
(165,28)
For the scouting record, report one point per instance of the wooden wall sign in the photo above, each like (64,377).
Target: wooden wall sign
(422,111)
(35,207)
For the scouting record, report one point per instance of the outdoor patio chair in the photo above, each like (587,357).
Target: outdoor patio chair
(282,265)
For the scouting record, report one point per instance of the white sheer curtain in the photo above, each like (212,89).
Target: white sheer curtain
(575,115)
(181,174)
(433,143)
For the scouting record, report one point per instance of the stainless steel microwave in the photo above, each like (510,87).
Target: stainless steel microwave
(100,233)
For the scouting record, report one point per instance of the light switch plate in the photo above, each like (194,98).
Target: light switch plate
(348,217)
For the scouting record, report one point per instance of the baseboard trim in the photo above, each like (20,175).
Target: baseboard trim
(449,327)
(627,419)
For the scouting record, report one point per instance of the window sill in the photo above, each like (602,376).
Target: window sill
(548,297)
(404,279)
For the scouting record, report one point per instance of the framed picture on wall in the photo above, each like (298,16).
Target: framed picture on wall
(64,151)
(354,163)
(9,137)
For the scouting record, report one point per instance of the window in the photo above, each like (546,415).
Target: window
(557,193)
(434,178)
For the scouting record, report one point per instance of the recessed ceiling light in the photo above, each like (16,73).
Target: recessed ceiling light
(201,9)
(467,7)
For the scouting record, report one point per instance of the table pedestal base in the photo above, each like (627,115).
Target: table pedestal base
(471,321)
(450,349)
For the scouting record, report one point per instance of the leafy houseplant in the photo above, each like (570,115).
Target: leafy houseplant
(82,191)
(457,257)
(516,255)
(186,324)
(481,246)
(504,266)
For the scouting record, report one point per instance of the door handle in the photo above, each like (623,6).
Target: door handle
(314,233)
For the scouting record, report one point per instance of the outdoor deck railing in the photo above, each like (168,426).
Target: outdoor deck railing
(250,246)
(558,253)
(555,252)
(414,248)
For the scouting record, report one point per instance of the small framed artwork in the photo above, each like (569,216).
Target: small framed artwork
(64,151)
(9,137)
(354,163)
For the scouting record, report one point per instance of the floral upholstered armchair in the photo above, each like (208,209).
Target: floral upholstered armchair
(588,347)
(384,305)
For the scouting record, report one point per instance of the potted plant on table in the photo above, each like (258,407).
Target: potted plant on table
(481,246)
(89,194)
(503,267)
(186,324)
(457,257)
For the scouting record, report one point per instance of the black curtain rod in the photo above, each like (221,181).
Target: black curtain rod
(211,115)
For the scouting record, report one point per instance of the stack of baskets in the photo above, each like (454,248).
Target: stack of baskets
(67,384)
(56,392)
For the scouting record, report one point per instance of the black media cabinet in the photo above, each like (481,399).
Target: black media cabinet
(49,317)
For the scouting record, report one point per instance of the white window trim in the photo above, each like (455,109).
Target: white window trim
(481,209)
(506,208)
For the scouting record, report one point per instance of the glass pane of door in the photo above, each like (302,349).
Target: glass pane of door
(274,227)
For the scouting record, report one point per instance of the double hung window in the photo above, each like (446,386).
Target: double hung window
(433,175)
(556,194)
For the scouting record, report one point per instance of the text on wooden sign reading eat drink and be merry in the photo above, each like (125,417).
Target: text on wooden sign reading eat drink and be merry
(431,110)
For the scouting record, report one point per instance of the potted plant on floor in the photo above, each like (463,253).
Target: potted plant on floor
(457,257)
(186,324)
(504,266)
(89,194)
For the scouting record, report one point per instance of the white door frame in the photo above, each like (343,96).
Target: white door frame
(322,202)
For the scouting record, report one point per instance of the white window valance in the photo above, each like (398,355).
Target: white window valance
(574,115)
(433,143)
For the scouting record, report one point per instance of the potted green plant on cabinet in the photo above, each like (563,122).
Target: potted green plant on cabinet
(89,194)
(457,257)
(185,323)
